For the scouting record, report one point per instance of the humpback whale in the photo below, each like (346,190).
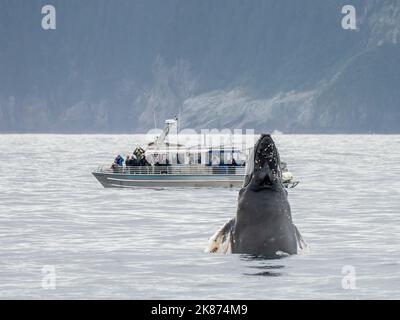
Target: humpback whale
(263,224)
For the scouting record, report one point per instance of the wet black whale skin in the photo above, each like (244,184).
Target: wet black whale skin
(263,223)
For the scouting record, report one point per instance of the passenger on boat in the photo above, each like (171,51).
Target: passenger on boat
(138,152)
(119,161)
(133,161)
(143,161)
(128,161)
(233,163)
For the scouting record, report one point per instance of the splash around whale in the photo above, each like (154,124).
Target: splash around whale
(263,224)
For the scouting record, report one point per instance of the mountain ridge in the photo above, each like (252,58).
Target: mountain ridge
(262,64)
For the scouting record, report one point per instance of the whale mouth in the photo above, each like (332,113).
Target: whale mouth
(263,164)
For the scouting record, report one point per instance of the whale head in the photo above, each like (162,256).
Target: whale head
(263,223)
(263,169)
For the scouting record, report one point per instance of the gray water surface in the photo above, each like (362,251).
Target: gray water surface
(111,243)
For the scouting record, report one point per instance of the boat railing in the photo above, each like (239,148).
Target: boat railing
(174,169)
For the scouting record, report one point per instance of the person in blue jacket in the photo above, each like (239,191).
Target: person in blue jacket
(119,160)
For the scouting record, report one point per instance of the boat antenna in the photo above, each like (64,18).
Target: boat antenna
(154,118)
(177,122)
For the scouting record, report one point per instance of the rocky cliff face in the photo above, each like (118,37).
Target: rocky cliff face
(263,64)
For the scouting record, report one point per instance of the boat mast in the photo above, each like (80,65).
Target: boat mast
(154,118)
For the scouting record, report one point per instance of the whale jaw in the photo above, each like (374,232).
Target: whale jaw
(264,168)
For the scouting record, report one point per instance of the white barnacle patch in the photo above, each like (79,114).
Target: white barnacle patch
(282,254)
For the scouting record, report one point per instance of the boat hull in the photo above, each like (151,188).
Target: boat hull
(115,180)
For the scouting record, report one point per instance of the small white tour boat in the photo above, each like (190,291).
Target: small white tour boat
(174,165)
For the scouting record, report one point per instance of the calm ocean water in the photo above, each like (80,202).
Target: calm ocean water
(106,243)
